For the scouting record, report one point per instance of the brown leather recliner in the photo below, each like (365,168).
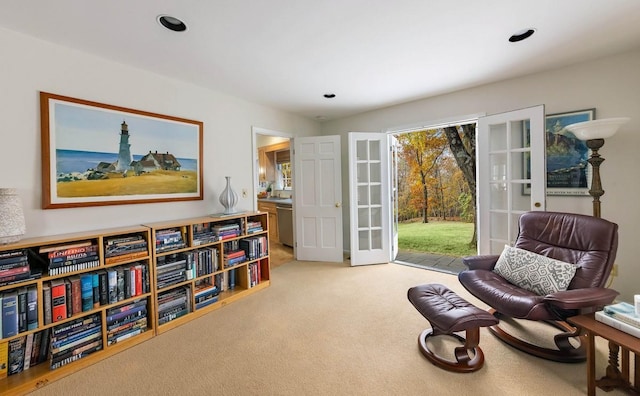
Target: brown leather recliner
(588,242)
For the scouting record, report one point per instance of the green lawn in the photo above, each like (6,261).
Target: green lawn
(450,238)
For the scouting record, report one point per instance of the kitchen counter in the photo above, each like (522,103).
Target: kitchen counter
(277,201)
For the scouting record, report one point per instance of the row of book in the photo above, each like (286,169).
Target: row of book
(173,303)
(122,245)
(205,294)
(18,311)
(67,297)
(71,257)
(74,340)
(227,230)
(232,254)
(15,267)
(203,234)
(169,239)
(126,321)
(254,247)
(621,316)
(254,226)
(21,353)
(255,274)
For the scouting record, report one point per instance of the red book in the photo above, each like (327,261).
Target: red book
(58,300)
(138,269)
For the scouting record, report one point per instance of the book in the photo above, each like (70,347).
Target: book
(58,300)
(112,283)
(45,340)
(27,351)
(68,297)
(602,317)
(76,294)
(96,289)
(53,248)
(9,314)
(103,286)
(22,309)
(624,312)
(4,358)
(86,283)
(16,355)
(46,303)
(32,307)
(35,350)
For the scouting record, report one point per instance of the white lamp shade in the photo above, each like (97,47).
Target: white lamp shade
(597,129)
(12,222)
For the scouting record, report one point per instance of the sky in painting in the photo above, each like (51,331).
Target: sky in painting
(85,128)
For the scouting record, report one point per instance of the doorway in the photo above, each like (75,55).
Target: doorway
(436,195)
(273,189)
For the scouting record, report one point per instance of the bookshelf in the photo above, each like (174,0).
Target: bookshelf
(204,263)
(83,326)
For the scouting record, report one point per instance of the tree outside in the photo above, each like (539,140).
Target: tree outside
(436,183)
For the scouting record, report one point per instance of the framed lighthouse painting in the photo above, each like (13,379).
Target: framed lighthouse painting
(95,154)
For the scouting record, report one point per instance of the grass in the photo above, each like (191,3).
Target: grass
(450,238)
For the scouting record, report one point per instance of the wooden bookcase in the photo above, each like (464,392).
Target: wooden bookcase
(109,334)
(192,271)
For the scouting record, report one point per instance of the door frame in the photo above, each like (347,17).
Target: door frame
(438,123)
(255,131)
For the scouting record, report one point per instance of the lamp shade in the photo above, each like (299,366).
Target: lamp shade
(12,223)
(597,129)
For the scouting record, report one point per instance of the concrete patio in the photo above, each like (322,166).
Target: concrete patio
(449,264)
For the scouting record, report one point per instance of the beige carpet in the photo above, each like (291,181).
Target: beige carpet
(320,329)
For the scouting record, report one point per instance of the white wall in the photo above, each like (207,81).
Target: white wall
(610,85)
(30,65)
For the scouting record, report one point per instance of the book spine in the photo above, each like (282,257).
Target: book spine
(58,302)
(32,308)
(46,303)
(86,283)
(76,295)
(10,314)
(72,251)
(22,309)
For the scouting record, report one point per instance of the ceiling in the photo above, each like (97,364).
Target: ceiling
(370,53)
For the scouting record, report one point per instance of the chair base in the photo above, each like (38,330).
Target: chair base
(566,352)
(466,362)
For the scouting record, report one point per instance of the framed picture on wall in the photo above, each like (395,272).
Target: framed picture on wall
(94,154)
(568,172)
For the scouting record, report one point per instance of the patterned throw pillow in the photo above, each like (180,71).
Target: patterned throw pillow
(539,274)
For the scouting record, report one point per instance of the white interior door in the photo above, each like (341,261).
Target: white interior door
(369,198)
(318,198)
(511,174)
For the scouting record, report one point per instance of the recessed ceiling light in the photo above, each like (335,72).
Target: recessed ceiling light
(521,35)
(329,95)
(172,23)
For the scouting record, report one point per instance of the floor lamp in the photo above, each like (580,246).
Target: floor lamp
(594,132)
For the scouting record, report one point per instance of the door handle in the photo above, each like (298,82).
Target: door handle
(537,204)
(338,204)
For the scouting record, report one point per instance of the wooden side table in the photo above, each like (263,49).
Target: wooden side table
(616,376)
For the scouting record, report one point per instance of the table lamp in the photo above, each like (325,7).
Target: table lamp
(594,132)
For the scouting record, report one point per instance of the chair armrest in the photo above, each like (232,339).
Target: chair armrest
(581,298)
(486,262)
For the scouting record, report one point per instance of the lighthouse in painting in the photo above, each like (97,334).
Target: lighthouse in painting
(124,154)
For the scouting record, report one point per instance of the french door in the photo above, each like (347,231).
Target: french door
(372,178)
(511,174)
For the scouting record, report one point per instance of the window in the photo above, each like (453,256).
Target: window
(283,169)
(284,175)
